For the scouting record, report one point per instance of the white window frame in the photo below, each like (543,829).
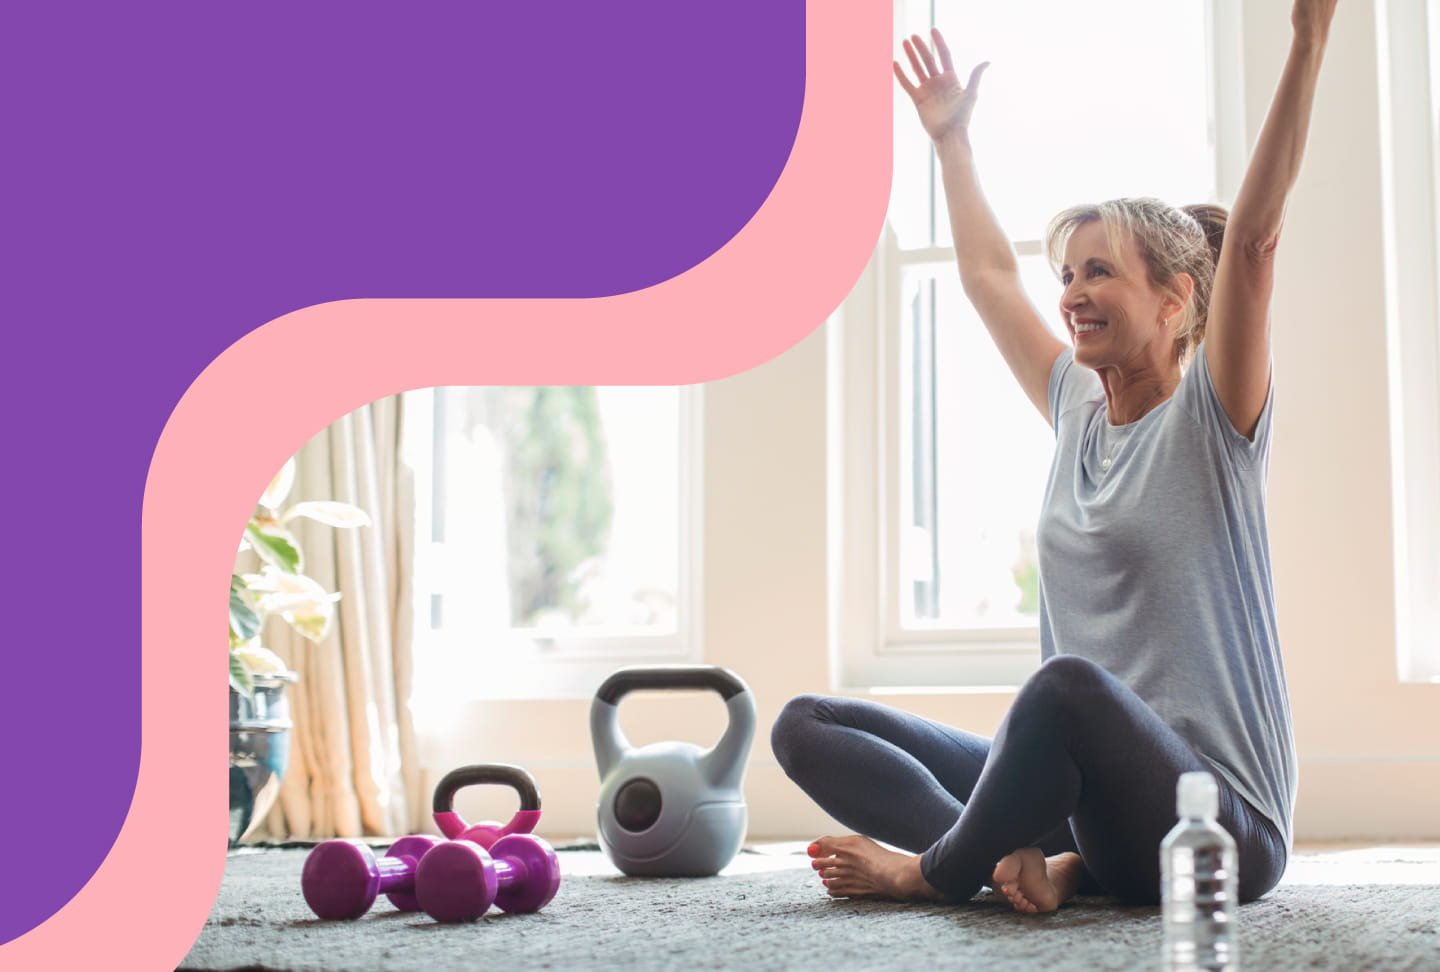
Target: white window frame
(869,648)
(1408,36)
(560,665)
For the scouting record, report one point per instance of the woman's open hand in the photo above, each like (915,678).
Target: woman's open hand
(943,105)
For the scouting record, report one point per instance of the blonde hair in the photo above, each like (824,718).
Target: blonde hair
(1171,241)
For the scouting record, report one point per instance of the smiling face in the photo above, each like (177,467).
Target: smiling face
(1111,310)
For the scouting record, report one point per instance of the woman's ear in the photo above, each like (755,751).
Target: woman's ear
(1182,288)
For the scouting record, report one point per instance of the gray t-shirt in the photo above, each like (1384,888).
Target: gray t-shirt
(1154,564)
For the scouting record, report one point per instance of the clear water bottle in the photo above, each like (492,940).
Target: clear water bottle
(1198,882)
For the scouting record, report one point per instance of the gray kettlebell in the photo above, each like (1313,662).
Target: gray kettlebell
(671,809)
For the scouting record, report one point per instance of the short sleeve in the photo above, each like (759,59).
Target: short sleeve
(1070,385)
(1197,396)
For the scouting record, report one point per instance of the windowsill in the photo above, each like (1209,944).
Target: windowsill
(447,676)
(988,690)
(942,667)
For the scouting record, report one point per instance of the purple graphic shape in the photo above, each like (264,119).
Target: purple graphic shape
(178,173)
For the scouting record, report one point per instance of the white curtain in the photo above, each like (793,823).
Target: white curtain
(353,767)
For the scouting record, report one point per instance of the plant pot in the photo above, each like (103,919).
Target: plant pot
(259,750)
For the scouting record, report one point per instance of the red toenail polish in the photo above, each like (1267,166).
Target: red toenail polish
(813,849)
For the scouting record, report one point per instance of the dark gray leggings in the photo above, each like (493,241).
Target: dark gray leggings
(1079,763)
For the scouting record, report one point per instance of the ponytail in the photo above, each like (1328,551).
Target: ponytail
(1212,220)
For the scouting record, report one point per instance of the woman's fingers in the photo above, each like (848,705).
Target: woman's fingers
(924,51)
(904,81)
(943,49)
(920,73)
(973,85)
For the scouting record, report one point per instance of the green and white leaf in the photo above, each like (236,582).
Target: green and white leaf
(279,587)
(279,487)
(329,512)
(240,679)
(301,601)
(259,659)
(244,622)
(276,546)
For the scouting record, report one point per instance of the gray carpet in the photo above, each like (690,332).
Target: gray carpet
(1376,908)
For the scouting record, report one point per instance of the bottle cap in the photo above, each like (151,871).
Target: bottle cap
(1197,795)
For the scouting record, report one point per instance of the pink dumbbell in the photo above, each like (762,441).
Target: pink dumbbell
(342,878)
(459,881)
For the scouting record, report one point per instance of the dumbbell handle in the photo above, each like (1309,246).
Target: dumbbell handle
(396,873)
(506,872)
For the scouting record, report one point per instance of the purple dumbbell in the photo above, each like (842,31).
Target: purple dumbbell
(342,878)
(459,881)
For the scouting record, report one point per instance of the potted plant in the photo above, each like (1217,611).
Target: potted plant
(259,712)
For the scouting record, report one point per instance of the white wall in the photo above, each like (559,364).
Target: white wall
(1369,746)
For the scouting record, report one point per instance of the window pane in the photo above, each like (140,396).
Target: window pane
(557,511)
(969,559)
(1081,103)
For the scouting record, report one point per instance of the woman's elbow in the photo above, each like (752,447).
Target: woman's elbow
(1257,248)
(1262,249)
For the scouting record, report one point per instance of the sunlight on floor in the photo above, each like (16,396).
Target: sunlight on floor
(1364,864)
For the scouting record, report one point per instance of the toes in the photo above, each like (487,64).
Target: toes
(1017,898)
(1007,869)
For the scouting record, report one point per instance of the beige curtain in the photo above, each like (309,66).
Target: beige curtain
(353,767)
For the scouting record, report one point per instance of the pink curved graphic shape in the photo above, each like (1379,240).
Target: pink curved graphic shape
(751,300)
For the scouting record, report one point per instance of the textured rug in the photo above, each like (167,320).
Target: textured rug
(1374,908)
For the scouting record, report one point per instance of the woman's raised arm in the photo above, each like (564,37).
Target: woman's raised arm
(1237,337)
(988,269)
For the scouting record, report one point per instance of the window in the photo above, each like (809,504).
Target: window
(938,459)
(1409,38)
(555,536)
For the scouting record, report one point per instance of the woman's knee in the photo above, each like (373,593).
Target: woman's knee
(793,725)
(1065,679)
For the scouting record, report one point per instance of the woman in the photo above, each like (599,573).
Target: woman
(1157,614)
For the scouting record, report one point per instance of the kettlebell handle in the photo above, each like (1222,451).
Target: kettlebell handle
(628,680)
(453,826)
(723,765)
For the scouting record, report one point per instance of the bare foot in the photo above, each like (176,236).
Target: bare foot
(857,867)
(1035,883)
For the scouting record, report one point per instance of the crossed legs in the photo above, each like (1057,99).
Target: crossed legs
(1080,770)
